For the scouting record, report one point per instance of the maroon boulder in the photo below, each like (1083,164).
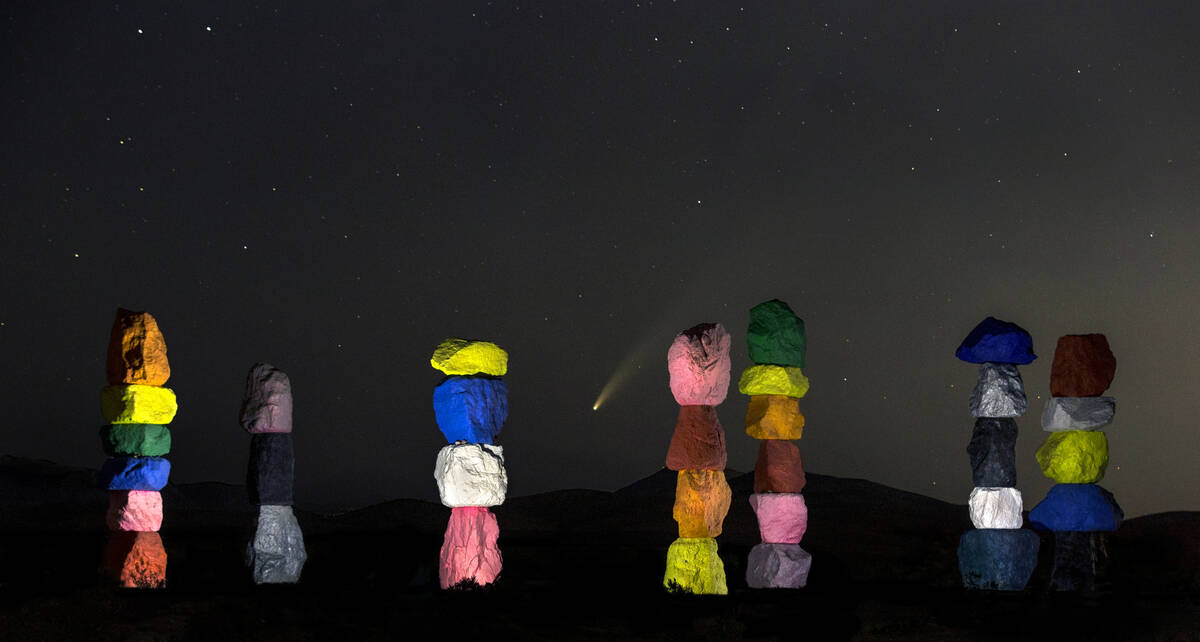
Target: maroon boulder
(699,440)
(778,469)
(1083,366)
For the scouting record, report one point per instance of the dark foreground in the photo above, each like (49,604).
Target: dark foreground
(375,586)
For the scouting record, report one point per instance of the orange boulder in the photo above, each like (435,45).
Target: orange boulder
(136,559)
(774,417)
(137,352)
(701,502)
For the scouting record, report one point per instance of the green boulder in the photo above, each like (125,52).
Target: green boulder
(136,440)
(776,335)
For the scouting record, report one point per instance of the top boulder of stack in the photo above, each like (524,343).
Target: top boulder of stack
(464,357)
(137,352)
(996,341)
(776,335)
(1084,366)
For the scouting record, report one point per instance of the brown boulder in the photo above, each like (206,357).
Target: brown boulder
(1083,366)
(701,502)
(136,559)
(778,469)
(137,352)
(774,417)
(699,440)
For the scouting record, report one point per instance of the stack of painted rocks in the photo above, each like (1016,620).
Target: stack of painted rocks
(776,382)
(1075,455)
(276,554)
(137,409)
(998,554)
(470,405)
(698,364)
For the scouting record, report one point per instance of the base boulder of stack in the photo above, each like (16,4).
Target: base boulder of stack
(469,551)
(276,555)
(777,566)
(997,559)
(694,567)
(135,559)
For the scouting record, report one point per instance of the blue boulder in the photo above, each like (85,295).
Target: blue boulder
(997,559)
(1077,507)
(471,409)
(134,473)
(997,341)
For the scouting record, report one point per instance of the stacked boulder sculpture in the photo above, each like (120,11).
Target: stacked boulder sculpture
(698,365)
(776,382)
(470,406)
(276,553)
(998,554)
(1075,456)
(137,408)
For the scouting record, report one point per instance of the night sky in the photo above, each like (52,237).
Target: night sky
(335,187)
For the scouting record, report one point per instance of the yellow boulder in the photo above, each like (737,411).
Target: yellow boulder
(774,417)
(137,404)
(773,380)
(701,502)
(462,357)
(1074,456)
(694,567)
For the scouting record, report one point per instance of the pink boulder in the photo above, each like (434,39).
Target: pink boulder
(267,406)
(782,517)
(698,362)
(134,510)
(469,552)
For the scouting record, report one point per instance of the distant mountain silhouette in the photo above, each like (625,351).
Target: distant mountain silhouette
(859,530)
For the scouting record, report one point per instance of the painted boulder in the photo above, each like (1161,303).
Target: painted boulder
(1074,456)
(134,510)
(471,475)
(997,559)
(1078,413)
(693,566)
(777,566)
(276,555)
(270,471)
(135,440)
(135,559)
(997,341)
(774,417)
(455,356)
(1084,366)
(137,404)
(1077,507)
(701,502)
(779,468)
(469,552)
(698,365)
(776,335)
(137,352)
(782,517)
(999,392)
(267,404)
(992,450)
(995,508)
(698,442)
(773,380)
(134,473)
(470,409)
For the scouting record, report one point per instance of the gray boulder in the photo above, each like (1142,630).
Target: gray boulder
(993,453)
(778,566)
(276,555)
(999,393)
(1078,413)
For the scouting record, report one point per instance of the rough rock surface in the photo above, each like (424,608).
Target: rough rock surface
(773,380)
(776,335)
(470,409)
(137,404)
(999,392)
(134,473)
(1074,456)
(698,365)
(276,554)
(1080,559)
(267,403)
(698,442)
(135,440)
(1078,413)
(137,352)
(701,502)
(774,417)
(997,559)
(998,342)
(471,475)
(995,508)
(455,356)
(693,566)
(270,471)
(1083,366)
(777,566)
(782,517)
(135,559)
(134,510)
(993,453)
(778,468)
(469,552)
(1077,507)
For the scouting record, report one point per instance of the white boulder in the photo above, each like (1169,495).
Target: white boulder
(471,475)
(996,508)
